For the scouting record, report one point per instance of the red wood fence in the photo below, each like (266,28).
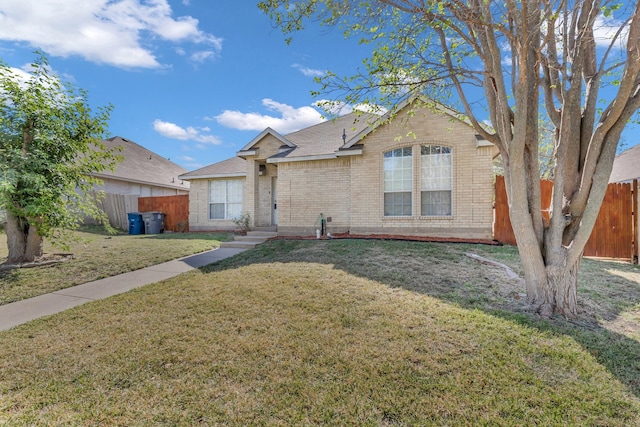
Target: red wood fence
(174,208)
(614,234)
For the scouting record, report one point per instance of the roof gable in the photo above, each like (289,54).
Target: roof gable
(142,166)
(325,139)
(434,107)
(268,131)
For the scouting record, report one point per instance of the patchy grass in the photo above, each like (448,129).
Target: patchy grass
(324,333)
(97,255)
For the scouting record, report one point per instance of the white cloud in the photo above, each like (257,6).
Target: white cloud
(605,29)
(202,56)
(339,108)
(116,32)
(289,119)
(22,75)
(173,131)
(309,72)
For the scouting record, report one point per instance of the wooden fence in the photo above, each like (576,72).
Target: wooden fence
(614,234)
(116,207)
(174,208)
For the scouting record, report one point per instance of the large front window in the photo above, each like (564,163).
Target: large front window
(436,178)
(225,199)
(398,182)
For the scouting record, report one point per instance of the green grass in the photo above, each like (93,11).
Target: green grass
(364,333)
(97,255)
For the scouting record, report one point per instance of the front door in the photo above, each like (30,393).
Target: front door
(274,192)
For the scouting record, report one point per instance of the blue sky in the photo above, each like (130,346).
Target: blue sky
(192,80)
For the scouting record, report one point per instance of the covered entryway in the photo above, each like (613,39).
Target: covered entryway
(274,193)
(266,197)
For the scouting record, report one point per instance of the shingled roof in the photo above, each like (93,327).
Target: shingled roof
(328,137)
(233,167)
(626,166)
(323,140)
(142,166)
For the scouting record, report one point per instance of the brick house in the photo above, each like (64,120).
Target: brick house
(420,173)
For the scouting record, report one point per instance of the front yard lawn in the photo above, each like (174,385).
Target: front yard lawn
(97,255)
(332,333)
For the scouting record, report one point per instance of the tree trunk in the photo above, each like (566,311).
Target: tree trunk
(23,241)
(563,282)
(558,293)
(551,282)
(551,285)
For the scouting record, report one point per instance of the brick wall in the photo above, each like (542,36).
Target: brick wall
(308,189)
(472,184)
(199,209)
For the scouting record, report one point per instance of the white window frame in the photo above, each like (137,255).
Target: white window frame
(397,169)
(436,180)
(226,195)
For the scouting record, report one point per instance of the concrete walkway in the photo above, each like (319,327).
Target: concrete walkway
(20,312)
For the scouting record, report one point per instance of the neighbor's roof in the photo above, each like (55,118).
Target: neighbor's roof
(626,166)
(233,167)
(143,166)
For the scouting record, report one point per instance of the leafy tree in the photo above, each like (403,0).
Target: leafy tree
(50,143)
(516,58)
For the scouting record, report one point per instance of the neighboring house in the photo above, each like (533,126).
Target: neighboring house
(142,172)
(421,173)
(626,166)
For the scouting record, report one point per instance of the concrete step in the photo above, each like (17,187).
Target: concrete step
(239,244)
(273,228)
(251,240)
(260,233)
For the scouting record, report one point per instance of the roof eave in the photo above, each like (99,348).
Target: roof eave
(302,158)
(247,153)
(215,175)
(173,186)
(481,142)
(350,152)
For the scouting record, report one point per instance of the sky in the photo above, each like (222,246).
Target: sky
(191,80)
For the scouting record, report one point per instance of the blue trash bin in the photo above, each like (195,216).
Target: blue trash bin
(136,224)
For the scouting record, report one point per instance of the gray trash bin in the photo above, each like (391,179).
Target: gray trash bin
(153,222)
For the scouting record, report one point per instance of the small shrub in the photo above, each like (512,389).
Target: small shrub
(181,227)
(242,222)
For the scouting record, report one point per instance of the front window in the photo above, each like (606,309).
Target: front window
(436,173)
(225,199)
(398,182)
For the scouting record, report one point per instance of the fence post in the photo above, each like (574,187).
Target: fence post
(636,222)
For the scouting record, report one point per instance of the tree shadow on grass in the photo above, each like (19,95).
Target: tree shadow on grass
(608,290)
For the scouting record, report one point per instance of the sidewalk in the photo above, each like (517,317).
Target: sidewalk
(20,312)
